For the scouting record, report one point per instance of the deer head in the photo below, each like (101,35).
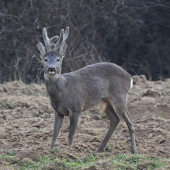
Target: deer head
(53,53)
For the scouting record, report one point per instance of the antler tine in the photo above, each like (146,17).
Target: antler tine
(63,37)
(46,40)
(60,39)
(53,39)
(66,34)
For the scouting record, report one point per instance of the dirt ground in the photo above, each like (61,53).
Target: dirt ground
(26,123)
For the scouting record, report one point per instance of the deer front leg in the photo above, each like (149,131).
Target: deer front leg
(57,125)
(73,124)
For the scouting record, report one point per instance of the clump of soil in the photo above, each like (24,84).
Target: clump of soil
(26,123)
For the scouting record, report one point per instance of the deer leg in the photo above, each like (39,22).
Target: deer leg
(57,125)
(129,123)
(73,124)
(125,114)
(114,120)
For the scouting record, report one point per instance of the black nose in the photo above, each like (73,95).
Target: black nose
(51,68)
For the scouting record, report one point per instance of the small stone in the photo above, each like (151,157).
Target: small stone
(150,135)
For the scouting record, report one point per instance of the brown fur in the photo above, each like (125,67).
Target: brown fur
(103,105)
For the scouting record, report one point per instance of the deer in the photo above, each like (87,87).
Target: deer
(104,84)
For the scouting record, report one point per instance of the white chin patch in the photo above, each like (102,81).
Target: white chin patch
(51,72)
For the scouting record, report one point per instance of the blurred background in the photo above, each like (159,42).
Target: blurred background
(135,34)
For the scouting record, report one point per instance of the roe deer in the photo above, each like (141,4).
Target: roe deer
(71,93)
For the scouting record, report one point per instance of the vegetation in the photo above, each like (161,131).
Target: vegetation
(136,161)
(120,162)
(9,155)
(133,34)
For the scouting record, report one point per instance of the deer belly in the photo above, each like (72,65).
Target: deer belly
(89,103)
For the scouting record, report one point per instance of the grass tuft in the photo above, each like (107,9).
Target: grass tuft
(136,161)
(119,162)
(8,154)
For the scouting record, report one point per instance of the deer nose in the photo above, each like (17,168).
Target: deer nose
(51,68)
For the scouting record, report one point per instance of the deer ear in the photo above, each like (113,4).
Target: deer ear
(41,49)
(63,49)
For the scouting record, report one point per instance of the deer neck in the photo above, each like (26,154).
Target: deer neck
(54,86)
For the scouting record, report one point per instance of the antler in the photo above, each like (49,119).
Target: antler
(49,43)
(62,39)
(46,40)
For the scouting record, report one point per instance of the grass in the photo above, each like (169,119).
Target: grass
(125,161)
(96,133)
(8,155)
(119,162)
(47,160)
(160,114)
(130,94)
(84,162)
(54,151)
(39,131)
(150,78)
(109,149)
(4,104)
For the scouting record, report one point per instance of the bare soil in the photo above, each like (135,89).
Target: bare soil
(26,123)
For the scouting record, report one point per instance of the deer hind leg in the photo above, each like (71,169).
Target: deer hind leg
(57,125)
(107,108)
(121,109)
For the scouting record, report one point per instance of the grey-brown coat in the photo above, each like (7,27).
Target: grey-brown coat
(104,84)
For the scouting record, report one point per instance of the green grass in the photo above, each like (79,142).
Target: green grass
(96,133)
(109,149)
(124,161)
(8,155)
(47,160)
(150,78)
(119,162)
(82,162)
(39,131)
(131,94)
(54,151)
(4,104)
(85,161)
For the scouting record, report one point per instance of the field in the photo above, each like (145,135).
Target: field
(26,124)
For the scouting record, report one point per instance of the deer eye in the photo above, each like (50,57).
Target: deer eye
(45,59)
(58,60)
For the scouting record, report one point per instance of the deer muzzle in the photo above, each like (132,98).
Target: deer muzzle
(51,70)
